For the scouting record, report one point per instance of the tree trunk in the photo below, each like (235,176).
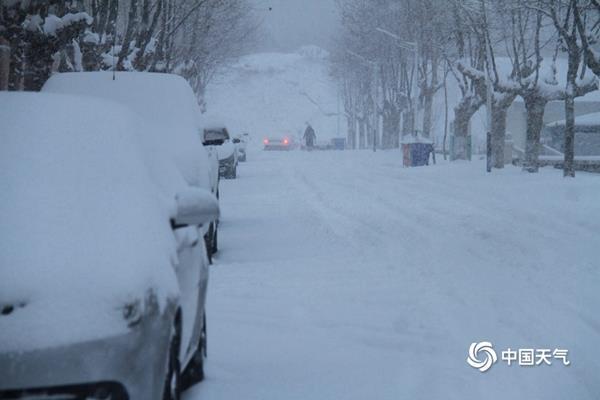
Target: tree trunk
(4,63)
(367,135)
(394,127)
(428,113)
(445,117)
(351,120)
(462,118)
(498,134)
(569,161)
(535,106)
(132,23)
(408,122)
(391,126)
(361,133)
(386,134)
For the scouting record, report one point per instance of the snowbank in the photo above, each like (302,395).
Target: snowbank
(83,232)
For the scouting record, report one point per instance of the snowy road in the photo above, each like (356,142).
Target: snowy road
(342,275)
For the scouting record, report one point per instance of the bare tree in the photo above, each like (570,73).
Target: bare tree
(566,17)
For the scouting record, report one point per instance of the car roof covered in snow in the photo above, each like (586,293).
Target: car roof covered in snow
(78,212)
(165,102)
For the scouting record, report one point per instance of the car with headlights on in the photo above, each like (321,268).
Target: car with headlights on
(218,138)
(285,143)
(103,273)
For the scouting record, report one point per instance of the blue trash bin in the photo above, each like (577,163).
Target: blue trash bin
(419,154)
(338,143)
(419,149)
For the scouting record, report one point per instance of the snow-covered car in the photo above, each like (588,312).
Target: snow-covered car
(218,138)
(287,142)
(213,164)
(170,108)
(102,279)
(242,146)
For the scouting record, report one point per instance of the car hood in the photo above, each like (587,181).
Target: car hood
(84,231)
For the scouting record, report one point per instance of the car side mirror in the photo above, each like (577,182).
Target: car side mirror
(195,207)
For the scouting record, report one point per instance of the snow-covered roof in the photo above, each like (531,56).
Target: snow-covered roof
(212,121)
(78,211)
(592,119)
(409,139)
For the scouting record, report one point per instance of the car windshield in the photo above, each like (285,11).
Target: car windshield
(215,135)
(408,198)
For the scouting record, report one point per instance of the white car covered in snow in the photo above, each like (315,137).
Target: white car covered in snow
(168,105)
(102,274)
(217,138)
(242,146)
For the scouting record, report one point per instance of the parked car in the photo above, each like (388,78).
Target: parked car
(242,146)
(213,233)
(218,138)
(172,124)
(286,142)
(102,279)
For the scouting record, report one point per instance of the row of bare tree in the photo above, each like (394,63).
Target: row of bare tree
(193,38)
(394,56)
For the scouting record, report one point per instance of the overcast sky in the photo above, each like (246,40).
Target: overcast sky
(294,23)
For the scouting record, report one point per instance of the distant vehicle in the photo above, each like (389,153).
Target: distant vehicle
(242,145)
(172,125)
(102,279)
(280,143)
(218,138)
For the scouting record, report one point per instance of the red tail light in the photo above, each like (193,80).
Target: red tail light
(266,141)
(286,141)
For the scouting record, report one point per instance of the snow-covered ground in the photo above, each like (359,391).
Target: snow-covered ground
(342,275)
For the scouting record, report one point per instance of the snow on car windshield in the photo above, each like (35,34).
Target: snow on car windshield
(212,135)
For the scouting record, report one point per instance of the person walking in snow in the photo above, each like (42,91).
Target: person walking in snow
(309,136)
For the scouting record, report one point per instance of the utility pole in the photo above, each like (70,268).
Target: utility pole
(337,133)
(375,105)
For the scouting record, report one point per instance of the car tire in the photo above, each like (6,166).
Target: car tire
(194,372)
(215,240)
(209,242)
(172,390)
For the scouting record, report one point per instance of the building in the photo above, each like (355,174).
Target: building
(516,121)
